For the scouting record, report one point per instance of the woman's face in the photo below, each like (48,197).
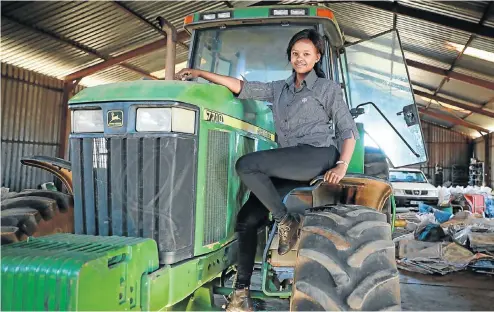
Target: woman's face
(304,56)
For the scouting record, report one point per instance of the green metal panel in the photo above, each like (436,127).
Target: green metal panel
(172,284)
(268,287)
(357,163)
(76,272)
(251,12)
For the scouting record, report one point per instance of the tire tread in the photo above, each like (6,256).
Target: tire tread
(364,275)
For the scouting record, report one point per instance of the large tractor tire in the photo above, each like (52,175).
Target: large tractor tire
(36,213)
(345,261)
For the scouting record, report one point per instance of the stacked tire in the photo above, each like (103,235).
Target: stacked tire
(35,213)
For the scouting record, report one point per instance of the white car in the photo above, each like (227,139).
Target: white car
(410,187)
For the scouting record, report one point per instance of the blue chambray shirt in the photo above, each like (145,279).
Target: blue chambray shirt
(314,114)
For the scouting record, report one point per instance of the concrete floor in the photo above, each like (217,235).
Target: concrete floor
(460,291)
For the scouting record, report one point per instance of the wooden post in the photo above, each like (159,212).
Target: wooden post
(487,167)
(65,122)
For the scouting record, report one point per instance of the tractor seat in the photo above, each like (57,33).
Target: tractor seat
(353,189)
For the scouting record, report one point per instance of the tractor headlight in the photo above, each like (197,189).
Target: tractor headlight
(87,121)
(183,120)
(160,119)
(154,119)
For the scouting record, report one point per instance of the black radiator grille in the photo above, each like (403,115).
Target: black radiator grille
(139,187)
(216,186)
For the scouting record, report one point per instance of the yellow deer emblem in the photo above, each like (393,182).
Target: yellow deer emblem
(115,117)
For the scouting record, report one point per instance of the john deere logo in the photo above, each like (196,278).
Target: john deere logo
(115,118)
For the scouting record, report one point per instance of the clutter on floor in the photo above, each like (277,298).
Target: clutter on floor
(457,234)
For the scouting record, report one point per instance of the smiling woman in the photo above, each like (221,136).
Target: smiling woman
(315,131)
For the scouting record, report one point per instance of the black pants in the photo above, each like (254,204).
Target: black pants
(270,175)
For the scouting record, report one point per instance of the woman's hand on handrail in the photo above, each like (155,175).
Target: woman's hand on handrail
(235,85)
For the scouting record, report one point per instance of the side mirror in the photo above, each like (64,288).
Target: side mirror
(357,111)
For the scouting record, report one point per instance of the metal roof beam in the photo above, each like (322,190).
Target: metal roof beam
(455,121)
(473,109)
(447,21)
(153,46)
(429,68)
(460,54)
(74,44)
(143,20)
(453,75)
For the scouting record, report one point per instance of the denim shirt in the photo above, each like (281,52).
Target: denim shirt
(314,114)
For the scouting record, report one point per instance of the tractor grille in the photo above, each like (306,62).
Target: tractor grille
(137,187)
(216,186)
(245,145)
(219,183)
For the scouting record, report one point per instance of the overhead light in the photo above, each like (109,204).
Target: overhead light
(224,15)
(298,12)
(208,17)
(280,12)
(477,53)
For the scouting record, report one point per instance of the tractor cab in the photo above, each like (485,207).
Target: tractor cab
(250,45)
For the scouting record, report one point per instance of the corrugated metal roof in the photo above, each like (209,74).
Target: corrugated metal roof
(429,39)
(466,10)
(173,11)
(360,21)
(490,22)
(472,94)
(34,51)
(481,120)
(102,26)
(424,79)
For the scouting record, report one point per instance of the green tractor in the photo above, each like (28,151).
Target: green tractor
(155,193)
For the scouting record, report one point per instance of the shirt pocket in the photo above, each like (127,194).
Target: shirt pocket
(310,110)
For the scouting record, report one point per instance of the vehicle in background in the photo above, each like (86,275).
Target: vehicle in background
(410,187)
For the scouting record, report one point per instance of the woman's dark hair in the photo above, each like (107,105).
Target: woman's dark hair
(318,42)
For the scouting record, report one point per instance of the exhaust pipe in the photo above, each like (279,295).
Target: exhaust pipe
(171,42)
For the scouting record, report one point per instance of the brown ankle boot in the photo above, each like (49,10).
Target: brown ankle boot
(240,301)
(288,233)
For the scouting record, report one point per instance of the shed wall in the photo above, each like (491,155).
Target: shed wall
(31,113)
(447,149)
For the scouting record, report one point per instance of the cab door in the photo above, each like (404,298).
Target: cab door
(378,88)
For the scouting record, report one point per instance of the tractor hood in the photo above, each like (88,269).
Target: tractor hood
(203,95)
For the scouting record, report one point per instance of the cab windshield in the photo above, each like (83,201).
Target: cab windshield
(407,176)
(252,53)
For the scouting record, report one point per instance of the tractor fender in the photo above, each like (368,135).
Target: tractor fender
(59,167)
